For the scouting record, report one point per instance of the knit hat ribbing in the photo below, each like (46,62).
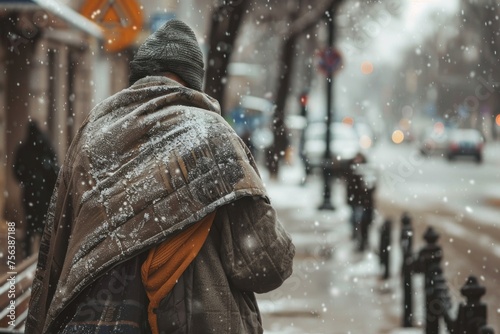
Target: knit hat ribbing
(172,48)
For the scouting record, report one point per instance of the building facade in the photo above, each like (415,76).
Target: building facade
(53,70)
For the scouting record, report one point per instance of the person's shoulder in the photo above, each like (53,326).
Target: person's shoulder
(206,124)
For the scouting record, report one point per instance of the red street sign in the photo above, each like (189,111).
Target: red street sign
(330,61)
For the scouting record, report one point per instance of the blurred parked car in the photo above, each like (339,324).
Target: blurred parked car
(344,146)
(434,141)
(465,142)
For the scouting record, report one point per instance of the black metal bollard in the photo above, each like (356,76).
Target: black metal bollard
(354,192)
(429,258)
(442,305)
(406,240)
(385,247)
(471,315)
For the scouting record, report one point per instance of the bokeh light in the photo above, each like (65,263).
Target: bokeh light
(404,123)
(366,67)
(365,142)
(398,136)
(348,120)
(438,127)
(497,120)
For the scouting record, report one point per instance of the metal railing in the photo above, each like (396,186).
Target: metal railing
(16,309)
(471,314)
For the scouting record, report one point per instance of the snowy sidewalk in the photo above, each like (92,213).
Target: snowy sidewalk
(334,288)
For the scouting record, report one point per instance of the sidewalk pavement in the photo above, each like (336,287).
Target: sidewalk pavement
(334,288)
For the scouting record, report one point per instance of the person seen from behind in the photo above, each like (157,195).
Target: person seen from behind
(160,222)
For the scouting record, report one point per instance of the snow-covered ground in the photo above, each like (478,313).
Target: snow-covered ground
(334,288)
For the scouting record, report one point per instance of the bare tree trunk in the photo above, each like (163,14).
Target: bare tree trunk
(281,140)
(300,25)
(226,21)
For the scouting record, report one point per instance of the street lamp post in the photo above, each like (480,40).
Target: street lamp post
(327,158)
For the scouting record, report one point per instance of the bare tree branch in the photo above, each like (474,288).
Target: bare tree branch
(304,22)
(311,18)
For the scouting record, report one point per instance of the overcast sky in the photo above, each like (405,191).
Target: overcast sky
(414,25)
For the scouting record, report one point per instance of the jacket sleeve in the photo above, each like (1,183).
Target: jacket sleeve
(256,251)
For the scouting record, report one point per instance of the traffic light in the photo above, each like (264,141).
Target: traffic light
(303,103)
(303,99)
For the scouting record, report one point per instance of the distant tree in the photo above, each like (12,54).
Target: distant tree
(300,17)
(482,17)
(468,60)
(295,17)
(291,20)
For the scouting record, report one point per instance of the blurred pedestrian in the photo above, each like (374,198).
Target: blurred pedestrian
(160,222)
(36,169)
(354,194)
(360,197)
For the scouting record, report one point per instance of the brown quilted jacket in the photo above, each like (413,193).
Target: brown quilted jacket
(148,162)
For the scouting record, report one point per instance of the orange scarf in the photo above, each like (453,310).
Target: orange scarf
(166,263)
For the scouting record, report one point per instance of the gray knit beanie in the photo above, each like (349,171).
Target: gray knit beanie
(172,48)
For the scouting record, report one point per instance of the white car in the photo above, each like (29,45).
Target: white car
(344,145)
